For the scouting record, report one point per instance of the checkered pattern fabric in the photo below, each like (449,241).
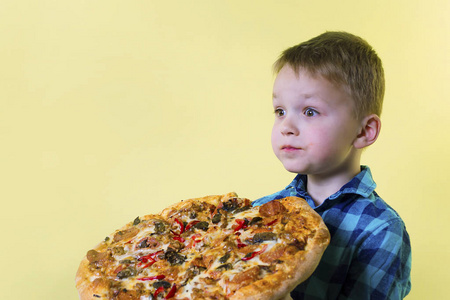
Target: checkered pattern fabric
(369,256)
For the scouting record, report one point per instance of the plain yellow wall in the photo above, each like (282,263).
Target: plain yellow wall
(114,109)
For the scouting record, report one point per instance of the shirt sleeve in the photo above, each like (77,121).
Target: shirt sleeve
(381,269)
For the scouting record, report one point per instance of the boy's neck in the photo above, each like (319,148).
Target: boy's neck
(321,187)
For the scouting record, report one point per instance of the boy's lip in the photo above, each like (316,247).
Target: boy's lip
(290,148)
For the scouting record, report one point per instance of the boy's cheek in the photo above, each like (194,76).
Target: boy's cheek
(274,138)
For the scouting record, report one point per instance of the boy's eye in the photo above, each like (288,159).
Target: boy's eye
(279,112)
(309,112)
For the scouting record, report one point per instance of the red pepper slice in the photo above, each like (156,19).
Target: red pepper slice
(239,243)
(181,225)
(147,265)
(145,258)
(148,260)
(242,224)
(195,236)
(194,240)
(189,226)
(172,292)
(272,222)
(157,277)
(178,238)
(253,254)
(158,291)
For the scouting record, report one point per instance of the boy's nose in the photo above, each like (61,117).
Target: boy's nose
(288,127)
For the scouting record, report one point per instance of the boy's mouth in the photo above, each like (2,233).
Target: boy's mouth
(289,148)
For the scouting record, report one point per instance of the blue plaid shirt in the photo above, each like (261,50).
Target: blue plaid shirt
(369,256)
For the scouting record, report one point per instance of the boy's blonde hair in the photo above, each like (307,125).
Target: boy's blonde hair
(344,59)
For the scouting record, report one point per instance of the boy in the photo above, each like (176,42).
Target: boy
(327,99)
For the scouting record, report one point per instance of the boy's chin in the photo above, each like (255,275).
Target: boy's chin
(295,165)
(294,169)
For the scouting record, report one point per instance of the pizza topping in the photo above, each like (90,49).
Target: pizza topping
(255,220)
(95,256)
(158,291)
(127,272)
(148,260)
(198,262)
(173,257)
(180,240)
(119,250)
(157,277)
(206,294)
(284,220)
(264,236)
(161,286)
(126,261)
(180,224)
(225,267)
(244,278)
(300,245)
(208,260)
(202,225)
(192,214)
(207,280)
(160,227)
(230,204)
(193,271)
(126,234)
(241,224)
(148,242)
(162,283)
(273,254)
(239,244)
(172,292)
(127,295)
(271,208)
(216,218)
(224,258)
(247,207)
(272,222)
(190,224)
(253,254)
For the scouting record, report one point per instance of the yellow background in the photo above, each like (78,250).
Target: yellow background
(114,109)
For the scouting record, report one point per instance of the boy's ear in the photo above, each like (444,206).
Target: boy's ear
(369,131)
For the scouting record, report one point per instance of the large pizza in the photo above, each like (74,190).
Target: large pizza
(214,247)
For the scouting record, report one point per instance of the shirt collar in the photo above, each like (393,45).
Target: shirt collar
(362,184)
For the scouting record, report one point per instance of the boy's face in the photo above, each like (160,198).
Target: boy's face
(315,126)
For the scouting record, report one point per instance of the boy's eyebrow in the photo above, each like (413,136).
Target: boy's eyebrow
(304,96)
